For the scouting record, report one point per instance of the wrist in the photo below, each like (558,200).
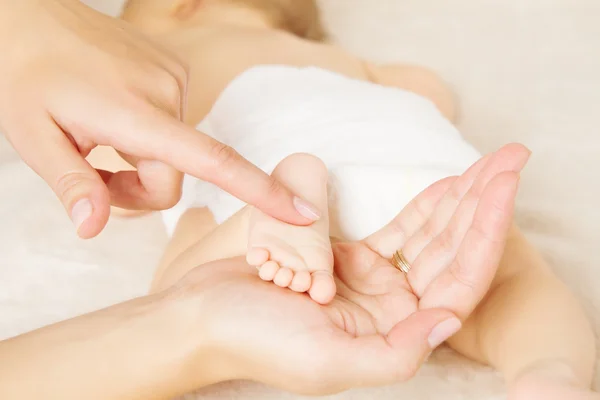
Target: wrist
(200,358)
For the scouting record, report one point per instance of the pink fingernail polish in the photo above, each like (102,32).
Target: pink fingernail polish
(443,331)
(80,212)
(306,209)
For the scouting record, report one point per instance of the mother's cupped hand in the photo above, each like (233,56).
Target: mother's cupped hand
(72,78)
(382,323)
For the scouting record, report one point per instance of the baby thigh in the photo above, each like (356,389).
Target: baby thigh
(529,323)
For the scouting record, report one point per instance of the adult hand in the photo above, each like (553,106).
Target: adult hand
(382,323)
(72,78)
(454,233)
(222,322)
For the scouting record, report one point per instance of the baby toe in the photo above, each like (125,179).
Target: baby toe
(257,256)
(322,289)
(301,281)
(284,277)
(268,271)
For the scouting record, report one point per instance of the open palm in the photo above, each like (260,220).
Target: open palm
(453,236)
(382,323)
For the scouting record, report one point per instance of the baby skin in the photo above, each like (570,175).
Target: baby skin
(529,326)
(299,258)
(530,349)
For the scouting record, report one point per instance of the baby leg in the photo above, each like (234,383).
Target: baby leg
(298,257)
(532,329)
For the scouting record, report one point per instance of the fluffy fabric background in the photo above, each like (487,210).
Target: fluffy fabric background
(524,70)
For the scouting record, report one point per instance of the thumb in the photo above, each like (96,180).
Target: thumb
(77,185)
(381,360)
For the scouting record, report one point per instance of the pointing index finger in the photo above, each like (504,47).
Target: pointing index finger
(168,140)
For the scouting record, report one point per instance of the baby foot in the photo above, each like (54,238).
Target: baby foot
(296,257)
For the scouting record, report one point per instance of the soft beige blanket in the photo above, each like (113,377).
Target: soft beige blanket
(524,70)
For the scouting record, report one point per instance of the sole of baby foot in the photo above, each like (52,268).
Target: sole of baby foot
(296,257)
(292,257)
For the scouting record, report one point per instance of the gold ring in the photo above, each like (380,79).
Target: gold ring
(399,261)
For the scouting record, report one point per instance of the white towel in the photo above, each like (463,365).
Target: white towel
(382,145)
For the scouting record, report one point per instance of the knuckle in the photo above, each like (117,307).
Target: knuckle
(273,190)
(455,194)
(470,200)
(429,230)
(177,66)
(420,209)
(461,274)
(171,89)
(274,187)
(223,155)
(182,73)
(497,209)
(67,184)
(398,228)
(484,231)
(446,241)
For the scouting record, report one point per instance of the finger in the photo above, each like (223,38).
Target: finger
(169,140)
(512,157)
(412,218)
(463,284)
(392,236)
(154,186)
(77,185)
(439,253)
(381,360)
(173,87)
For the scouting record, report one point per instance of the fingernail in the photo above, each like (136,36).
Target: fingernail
(306,209)
(80,212)
(443,331)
